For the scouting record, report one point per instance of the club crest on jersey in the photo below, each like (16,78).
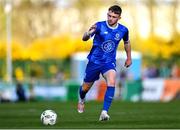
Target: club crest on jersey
(108,46)
(117,37)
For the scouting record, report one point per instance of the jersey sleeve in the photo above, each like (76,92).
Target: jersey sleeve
(126,36)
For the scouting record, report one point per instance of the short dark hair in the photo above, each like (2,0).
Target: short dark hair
(116,9)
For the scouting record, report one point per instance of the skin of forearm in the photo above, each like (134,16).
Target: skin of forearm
(127,48)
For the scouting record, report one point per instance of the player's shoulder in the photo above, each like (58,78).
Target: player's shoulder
(100,22)
(122,27)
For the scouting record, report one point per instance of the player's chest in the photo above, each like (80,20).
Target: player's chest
(109,34)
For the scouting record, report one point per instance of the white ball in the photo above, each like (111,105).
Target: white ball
(48,117)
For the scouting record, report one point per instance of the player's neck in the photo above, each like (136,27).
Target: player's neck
(114,26)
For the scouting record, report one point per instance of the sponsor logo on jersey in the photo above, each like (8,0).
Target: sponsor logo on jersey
(108,46)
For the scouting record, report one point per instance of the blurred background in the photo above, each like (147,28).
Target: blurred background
(42,56)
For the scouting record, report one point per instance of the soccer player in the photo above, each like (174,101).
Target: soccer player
(102,57)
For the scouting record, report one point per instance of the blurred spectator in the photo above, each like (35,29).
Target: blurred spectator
(20,92)
(150,72)
(122,81)
(175,73)
(60,76)
(123,77)
(31,91)
(164,71)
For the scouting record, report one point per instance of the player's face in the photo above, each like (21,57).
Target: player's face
(112,18)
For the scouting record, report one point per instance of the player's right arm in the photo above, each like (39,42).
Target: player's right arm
(88,34)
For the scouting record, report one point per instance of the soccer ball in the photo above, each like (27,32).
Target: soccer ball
(49,117)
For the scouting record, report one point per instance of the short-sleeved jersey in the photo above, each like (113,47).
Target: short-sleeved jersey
(106,41)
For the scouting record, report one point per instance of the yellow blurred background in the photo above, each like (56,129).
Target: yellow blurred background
(50,31)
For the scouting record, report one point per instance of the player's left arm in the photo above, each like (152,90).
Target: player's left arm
(127,48)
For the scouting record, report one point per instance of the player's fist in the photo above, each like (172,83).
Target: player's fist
(128,62)
(92,29)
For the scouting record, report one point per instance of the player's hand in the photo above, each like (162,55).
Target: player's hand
(92,29)
(128,62)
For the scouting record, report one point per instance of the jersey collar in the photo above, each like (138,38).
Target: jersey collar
(112,27)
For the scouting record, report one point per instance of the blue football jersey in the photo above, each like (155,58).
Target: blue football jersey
(106,41)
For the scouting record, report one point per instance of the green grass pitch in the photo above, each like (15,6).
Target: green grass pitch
(123,115)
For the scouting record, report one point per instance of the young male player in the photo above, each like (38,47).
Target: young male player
(102,57)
